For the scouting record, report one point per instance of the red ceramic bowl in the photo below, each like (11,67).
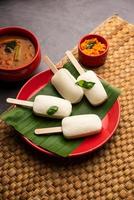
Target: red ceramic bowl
(89,60)
(24,71)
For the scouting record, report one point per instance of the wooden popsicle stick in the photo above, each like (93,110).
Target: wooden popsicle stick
(51,65)
(75,62)
(27,104)
(53,130)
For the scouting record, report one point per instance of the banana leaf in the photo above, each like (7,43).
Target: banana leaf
(25,122)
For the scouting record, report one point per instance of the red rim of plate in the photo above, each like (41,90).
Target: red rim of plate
(89,144)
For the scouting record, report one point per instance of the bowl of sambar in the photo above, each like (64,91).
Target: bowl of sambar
(20,53)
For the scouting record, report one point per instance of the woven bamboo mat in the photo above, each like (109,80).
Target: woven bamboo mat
(108,173)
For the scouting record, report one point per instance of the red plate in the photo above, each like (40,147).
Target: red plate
(110,121)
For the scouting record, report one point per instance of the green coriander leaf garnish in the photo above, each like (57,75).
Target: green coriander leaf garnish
(90,45)
(85,84)
(52,110)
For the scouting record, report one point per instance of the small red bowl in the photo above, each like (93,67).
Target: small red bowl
(24,71)
(89,60)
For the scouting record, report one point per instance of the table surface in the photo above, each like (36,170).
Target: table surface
(58,24)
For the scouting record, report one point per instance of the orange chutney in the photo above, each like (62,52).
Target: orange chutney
(92,47)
